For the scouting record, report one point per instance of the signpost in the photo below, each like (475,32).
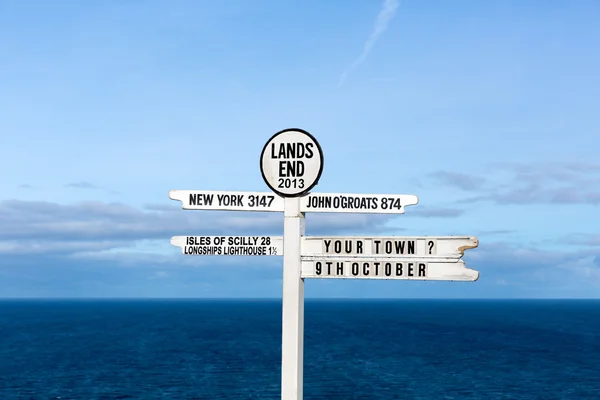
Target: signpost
(227,201)
(449,247)
(291,164)
(387,268)
(357,203)
(229,245)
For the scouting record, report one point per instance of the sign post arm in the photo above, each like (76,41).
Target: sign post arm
(292,338)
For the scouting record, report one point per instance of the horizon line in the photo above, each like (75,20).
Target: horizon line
(306,299)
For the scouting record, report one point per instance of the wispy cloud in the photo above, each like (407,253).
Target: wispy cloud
(435,212)
(495,232)
(509,183)
(388,10)
(459,180)
(80,185)
(517,262)
(45,227)
(25,186)
(581,239)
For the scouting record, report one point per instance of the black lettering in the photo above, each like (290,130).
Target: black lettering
(422,271)
(201,199)
(376,243)
(388,269)
(328,267)
(318,268)
(388,247)
(309,150)
(366,268)
(198,241)
(409,271)
(355,269)
(337,246)
(327,243)
(300,168)
(376,264)
(301,150)
(290,150)
(282,150)
(227,200)
(336,202)
(348,246)
(400,246)
(340,268)
(398,269)
(202,250)
(291,169)
(359,247)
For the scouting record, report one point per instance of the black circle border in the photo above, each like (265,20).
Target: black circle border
(321,156)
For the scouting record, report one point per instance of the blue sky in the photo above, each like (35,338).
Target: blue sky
(488,111)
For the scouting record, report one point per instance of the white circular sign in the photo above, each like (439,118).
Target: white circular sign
(291,162)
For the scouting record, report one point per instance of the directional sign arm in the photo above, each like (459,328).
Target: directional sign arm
(229,245)
(388,269)
(357,203)
(439,247)
(227,200)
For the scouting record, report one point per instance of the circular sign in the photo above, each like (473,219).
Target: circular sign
(291,162)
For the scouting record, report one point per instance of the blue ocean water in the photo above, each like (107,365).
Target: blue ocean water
(354,349)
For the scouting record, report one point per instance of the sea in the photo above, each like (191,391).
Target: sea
(353,349)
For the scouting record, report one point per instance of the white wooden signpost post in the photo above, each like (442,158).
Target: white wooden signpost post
(291,164)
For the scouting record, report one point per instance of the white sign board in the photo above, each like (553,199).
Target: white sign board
(387,268)
(227,201)
(291,162)
(452,247)
(357,203)
(229,245)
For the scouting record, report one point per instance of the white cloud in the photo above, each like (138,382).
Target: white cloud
(536,183)
(388,10)
(99,228)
